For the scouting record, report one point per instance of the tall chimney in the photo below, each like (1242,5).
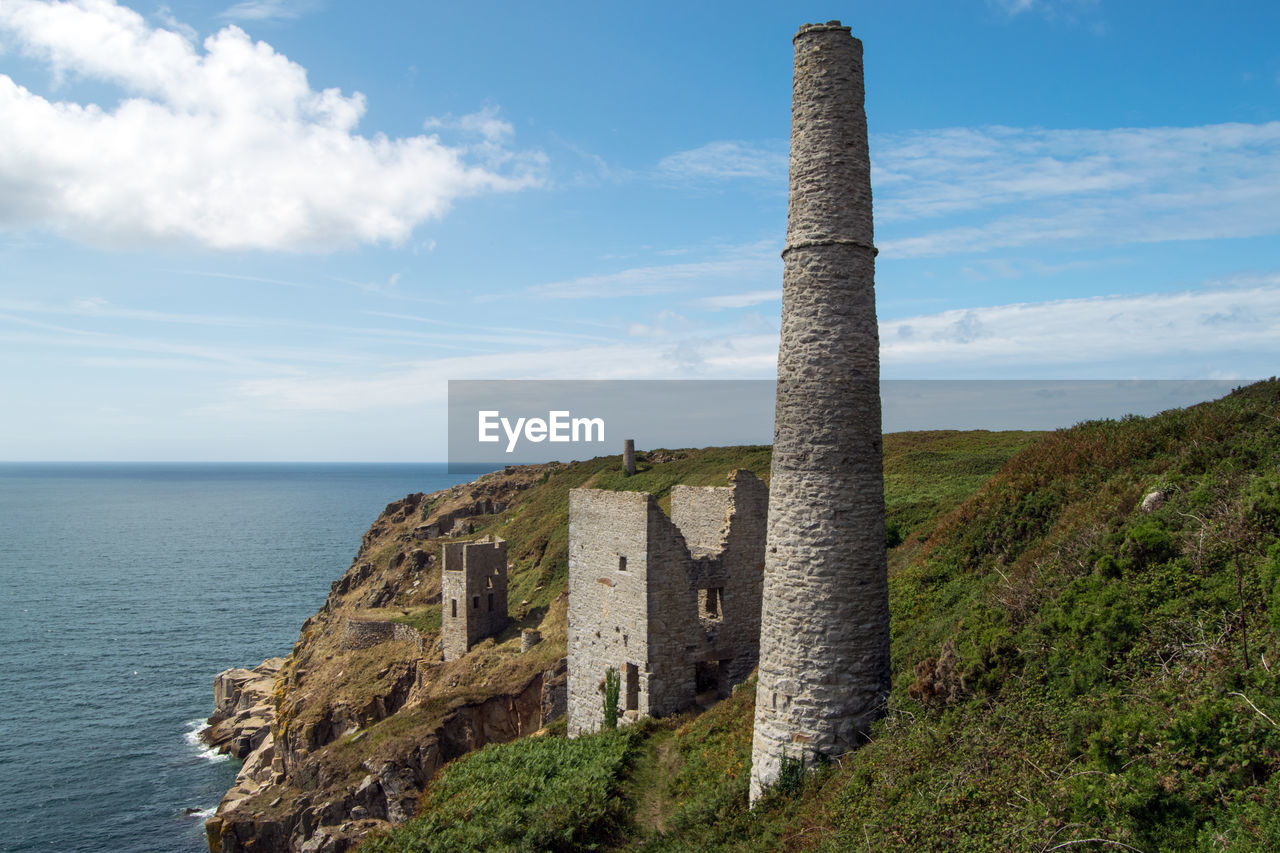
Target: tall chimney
(824,636)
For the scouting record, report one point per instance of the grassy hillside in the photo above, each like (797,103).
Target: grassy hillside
(926,473)
(346,710)
(1070,672)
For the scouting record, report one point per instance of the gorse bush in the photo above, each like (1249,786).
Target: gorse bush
(1086,675)
(535,795)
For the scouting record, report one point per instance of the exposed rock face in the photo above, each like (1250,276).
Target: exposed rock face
(824,641)
(313,777)
(388,791)
(244,709)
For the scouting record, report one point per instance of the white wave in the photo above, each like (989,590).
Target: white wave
(203,750)
(202,814)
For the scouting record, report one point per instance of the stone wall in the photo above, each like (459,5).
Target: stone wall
(473,593)
(672,603)
(608,606)
(702,516)
(363,633)
(740,579)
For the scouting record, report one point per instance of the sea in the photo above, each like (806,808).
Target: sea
(124,589)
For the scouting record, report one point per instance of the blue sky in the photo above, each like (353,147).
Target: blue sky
(272,230)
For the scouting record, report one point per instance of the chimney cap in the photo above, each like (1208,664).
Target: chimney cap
(821,28)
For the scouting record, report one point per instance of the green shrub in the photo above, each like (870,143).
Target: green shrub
(790,775)
(1107,567)
(530,795)
(1271,586)
(612,682)
(1146,544)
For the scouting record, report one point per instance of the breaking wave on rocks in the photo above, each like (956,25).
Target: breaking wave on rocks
(203,750)
(127,589)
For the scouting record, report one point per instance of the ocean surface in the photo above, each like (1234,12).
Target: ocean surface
(124,589)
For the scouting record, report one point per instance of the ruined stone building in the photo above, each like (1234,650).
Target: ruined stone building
(673,604)
(473,593)
(824,640)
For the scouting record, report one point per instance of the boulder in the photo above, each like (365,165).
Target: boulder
(1152,501)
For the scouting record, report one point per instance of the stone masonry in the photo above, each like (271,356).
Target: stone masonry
(473,593)
(824,642)
(672,603)
(365,633)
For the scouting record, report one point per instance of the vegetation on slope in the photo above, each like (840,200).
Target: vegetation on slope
(1070,671)
(535,794)
(394,710)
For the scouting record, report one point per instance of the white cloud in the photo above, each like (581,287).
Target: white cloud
(268,10)
(756,262)
(165,16)
(666,324)
(985,269)
(487,136)
(988,188)
(238,277)
(268,359)
(202,337)
(226,146)
(409,385)
(484,123)
(969,190)
(1157,335)
(726,160)
(1068,10)
(739,300)
(1014,7)
(462,323)
(1180,328)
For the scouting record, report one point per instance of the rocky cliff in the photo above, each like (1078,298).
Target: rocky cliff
(342,735)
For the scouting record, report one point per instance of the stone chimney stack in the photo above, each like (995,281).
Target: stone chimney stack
(629,456)
(824,636)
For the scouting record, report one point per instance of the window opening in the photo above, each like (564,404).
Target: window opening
(632,675)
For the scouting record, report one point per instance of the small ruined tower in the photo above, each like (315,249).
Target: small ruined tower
(824,636)
(629,456)
(473,593)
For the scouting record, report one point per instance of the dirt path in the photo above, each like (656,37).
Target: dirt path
(649,782)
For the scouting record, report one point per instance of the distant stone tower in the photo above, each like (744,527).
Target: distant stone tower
(473,593)
(629,456)
(824,636)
